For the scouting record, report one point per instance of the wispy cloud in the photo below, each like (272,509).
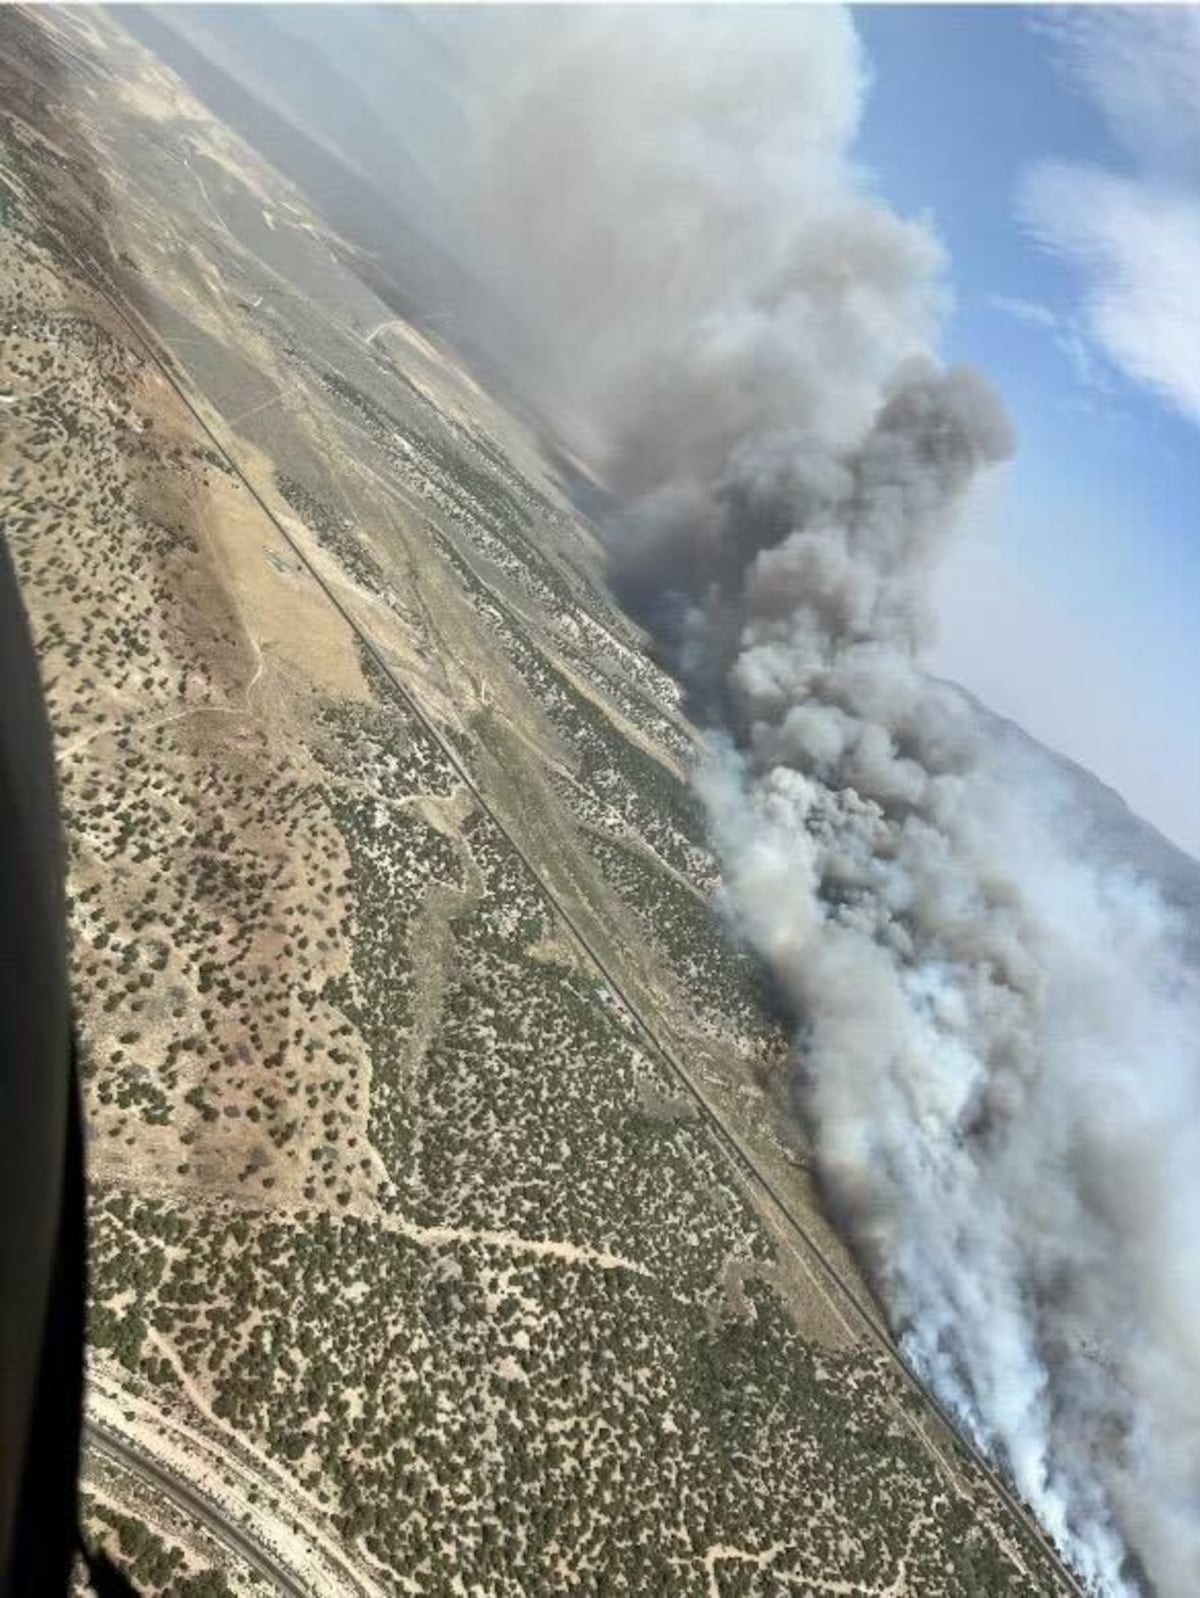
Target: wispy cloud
(1027,311)
(1140,66)
(1132,236)
(1066,334)
(1137,249)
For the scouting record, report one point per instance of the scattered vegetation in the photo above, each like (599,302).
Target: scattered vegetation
(386,1189)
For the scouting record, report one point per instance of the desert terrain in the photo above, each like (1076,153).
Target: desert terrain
(450,1232)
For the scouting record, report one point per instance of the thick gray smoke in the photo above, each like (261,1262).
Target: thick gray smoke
(997,1042)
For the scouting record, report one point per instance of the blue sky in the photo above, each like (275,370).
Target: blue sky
(1058,157)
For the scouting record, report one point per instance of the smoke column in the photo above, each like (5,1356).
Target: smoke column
(996,1048)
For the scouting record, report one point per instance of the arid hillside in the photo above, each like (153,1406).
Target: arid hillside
(449,1231)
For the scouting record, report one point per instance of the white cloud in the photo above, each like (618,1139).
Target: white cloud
(1068,337)
(1027,311)
(1141,67)
(1134,237)
(1138,249)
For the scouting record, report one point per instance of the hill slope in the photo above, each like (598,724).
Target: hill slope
(445,1230)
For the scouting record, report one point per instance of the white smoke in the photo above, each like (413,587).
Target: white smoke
(997,1040)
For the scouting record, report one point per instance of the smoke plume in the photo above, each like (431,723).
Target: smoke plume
(996,1039)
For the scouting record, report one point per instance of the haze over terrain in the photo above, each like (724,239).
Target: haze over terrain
(450,1226)
(674,295)
(1085,556)
(997,1026)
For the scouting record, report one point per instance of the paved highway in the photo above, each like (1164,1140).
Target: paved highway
(230,1532)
